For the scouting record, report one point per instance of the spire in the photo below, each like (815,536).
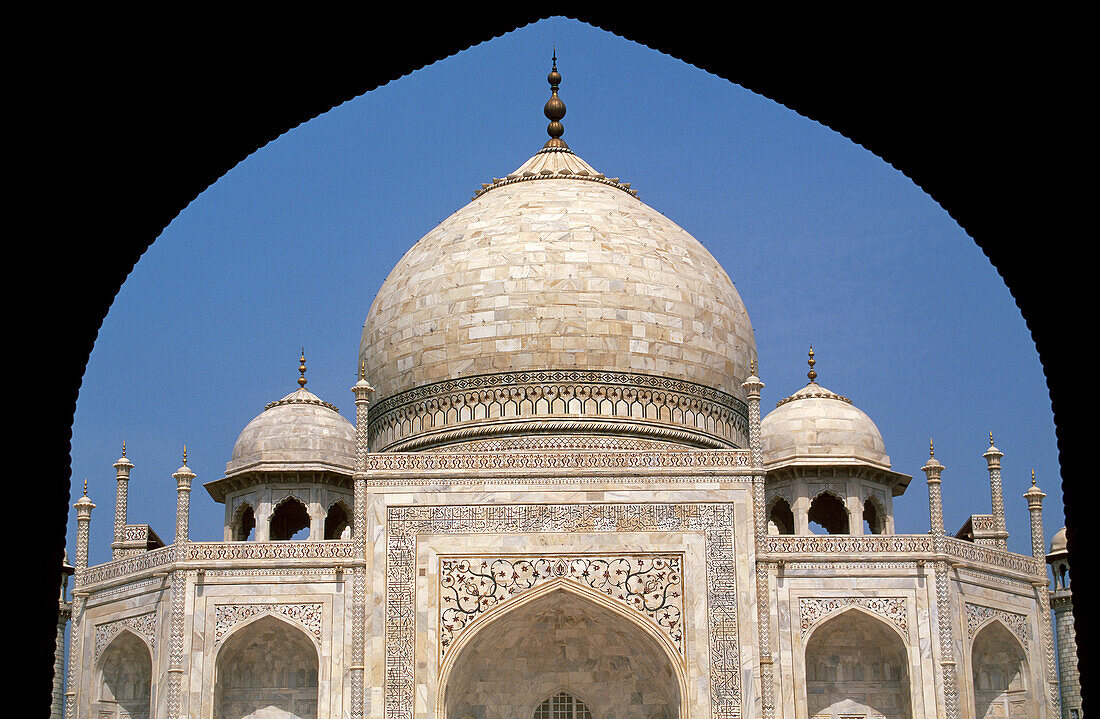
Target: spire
(554,110)
(811,374)
(302,369)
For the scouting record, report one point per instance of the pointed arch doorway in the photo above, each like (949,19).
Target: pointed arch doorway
(560,655)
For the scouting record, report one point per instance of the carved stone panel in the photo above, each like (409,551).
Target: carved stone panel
(649,584)
(811,610)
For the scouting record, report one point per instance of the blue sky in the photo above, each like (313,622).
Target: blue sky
(826,243)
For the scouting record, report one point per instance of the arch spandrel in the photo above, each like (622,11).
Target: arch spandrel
(622,641)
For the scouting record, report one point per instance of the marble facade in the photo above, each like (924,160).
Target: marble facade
(564,503)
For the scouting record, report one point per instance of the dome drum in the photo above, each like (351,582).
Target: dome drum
(556,402)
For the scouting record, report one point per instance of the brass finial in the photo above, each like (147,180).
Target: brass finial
(123,448)
(1033,478)
(555,108)
(185,455)
(302,369)
(990,438)
(362,369)
(752,366)
(931,450)
(85,486)
(811,374)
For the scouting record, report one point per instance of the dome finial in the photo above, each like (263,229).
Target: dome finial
(554,109)
(302,369)
(931,450)
(185,455)
(123,448)
(1033,478)
(86,486)
(990,438)
(811,374)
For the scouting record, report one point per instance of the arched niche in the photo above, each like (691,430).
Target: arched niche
(243,526)
(857,666)
(266,668)
(556,640)
(289,518)
(874,515)
(125,678)
(999,669)
(827,510)
(780,517)
(337,520)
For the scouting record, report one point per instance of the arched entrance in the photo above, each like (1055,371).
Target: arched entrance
(858,667)
(266,670)
(999,666)
(126,672)
(595,661)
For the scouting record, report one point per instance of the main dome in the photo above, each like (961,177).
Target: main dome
(556,303)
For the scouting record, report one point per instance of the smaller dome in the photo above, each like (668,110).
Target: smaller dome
(300,432)
(814,423)
(1058,542)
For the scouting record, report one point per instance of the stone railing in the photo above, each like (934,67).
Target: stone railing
(127,566)
(230,551)
(845,544)
(999,558)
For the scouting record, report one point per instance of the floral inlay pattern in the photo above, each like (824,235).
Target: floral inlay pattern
(812,610)
(978,616)
(227,616)
(144,625)
(469,586)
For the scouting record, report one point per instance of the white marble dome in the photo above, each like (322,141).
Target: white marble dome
(1059,543)
(300,432)
(815,423)
(555,268)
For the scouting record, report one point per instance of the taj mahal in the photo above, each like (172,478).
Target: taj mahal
(561,499)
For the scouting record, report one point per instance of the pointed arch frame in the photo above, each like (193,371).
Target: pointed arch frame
(560,584)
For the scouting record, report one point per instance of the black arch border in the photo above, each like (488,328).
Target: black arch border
(977,111)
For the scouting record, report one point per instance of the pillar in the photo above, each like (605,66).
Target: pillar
(993,461)
(183,476)
(752,386)
(1034,497)
(948,672)
(84,509)
(64,611)
(362,391)
(122,479)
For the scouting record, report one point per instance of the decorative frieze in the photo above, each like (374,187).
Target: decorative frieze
(227,616)
(845,544)
(127,566)
(144,625)
(714,521)
(995,557)
(977,616)
(712,417)
(481,461)
(214,551)
(812,610)
(651,585)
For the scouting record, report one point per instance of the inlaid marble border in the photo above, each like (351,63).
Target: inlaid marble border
(714,521)
(978,616)
(814,610)
(649,583)
(144,625)
(228,616)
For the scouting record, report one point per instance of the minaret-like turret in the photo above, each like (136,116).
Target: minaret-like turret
(993,462)
(944,610)
(1034,497)
(1061,602)
(122,480)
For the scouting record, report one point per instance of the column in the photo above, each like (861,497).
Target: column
(84,509)
(948,676)
(122,479)
(993,460)
(752,386)
(362,391)
(183,477)
(1034,497)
